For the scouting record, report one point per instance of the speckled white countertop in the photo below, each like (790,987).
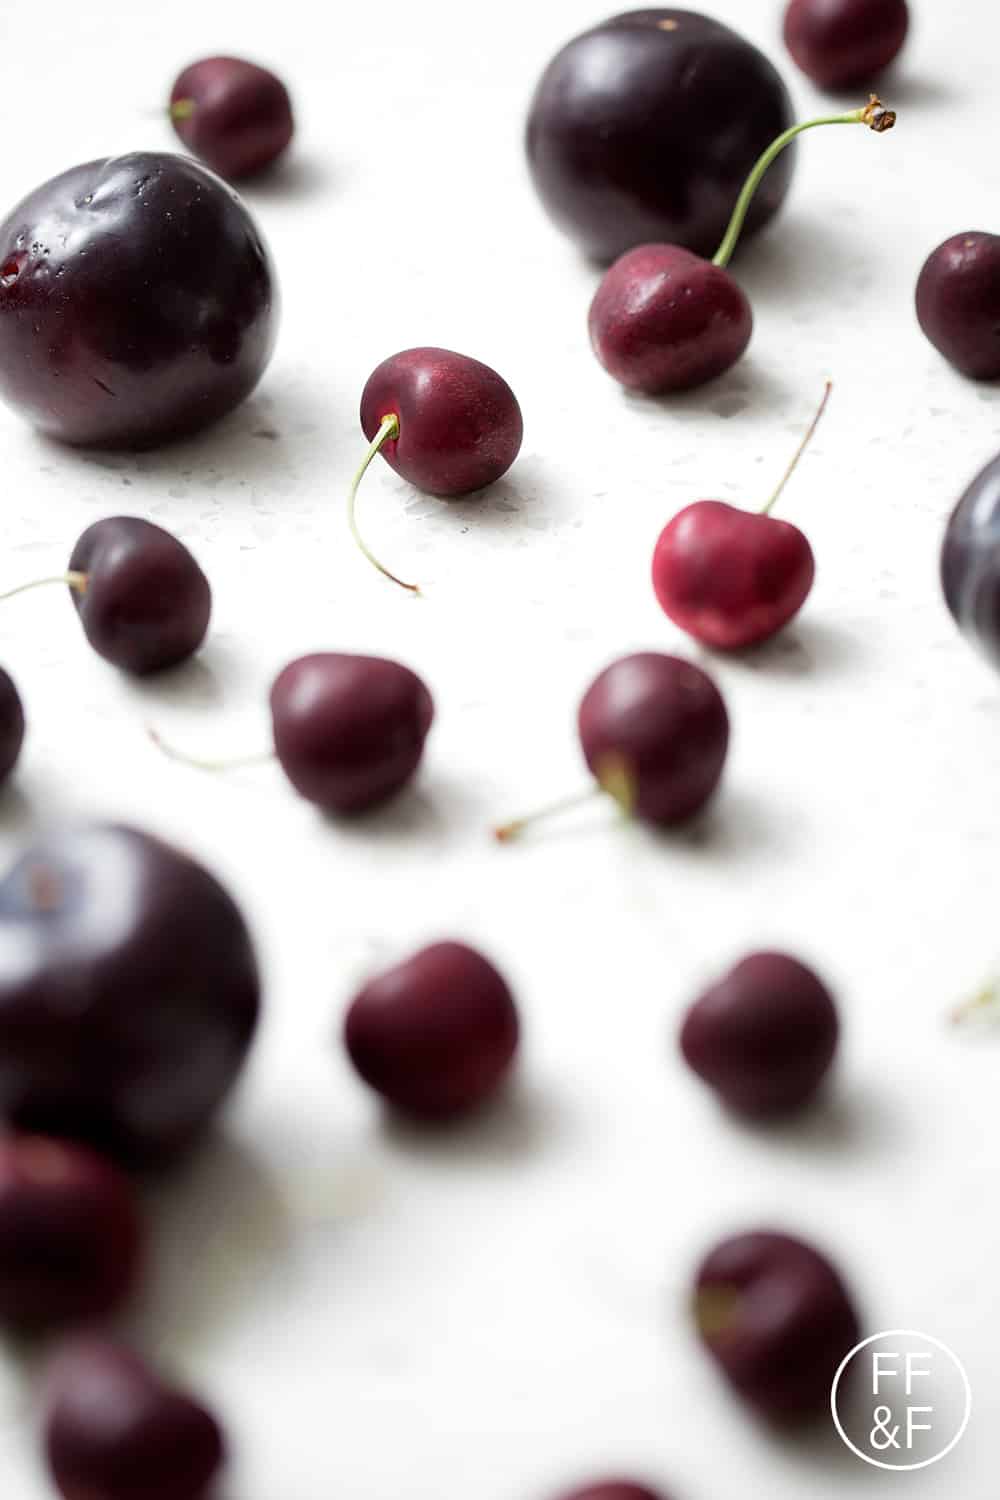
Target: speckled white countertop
(493,1314)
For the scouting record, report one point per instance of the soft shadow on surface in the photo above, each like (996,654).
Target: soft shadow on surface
(844,1117)
(733,824)
(296,175)
(197,682)
(515,1124)
(17,810)
(802,648)
(749,388)
(429,807)
(899,89)
(795,260)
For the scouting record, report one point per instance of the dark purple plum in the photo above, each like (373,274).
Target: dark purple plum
(614,1489)
(843,44)
(129,992)
(114,1430)
(71,1238)
(349,730)
(764,1036)
(970,562)
(137,302)
(434,1036)
(233,114)
(645,127)
(12,725)
(958,302)
(778,1320)
(447,423)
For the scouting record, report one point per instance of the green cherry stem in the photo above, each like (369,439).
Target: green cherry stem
(766,510)
(873,114)
(984,1000)
(614,780)
(76,581)
(233,763)
(388,432)
(182,109)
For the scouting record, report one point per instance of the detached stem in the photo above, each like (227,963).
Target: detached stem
(766,510)
(388,432)
(234,763)
(512,830)
(873,114)
(76,581)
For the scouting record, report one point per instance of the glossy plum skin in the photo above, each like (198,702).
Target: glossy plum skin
(349,731)
(970,562)
(460,427)
(129,992)
(843,44)
(663,320)
(114,1431)
(778,1320)
(435,1036)
(71,1238)
(729,577)
(146,604)
(12,725)
(614,1489)
(137,302)
(958,302)
(644,129)
(240,118)
(662,723)
(764,1036)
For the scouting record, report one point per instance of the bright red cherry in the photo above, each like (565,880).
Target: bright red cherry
(842,44)
(958,302)
(12,725)
(436,1035)
(445,422)
(236,116)
(731,577)
(663,319)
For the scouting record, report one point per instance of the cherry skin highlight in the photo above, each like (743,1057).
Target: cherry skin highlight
(113,1430)
(970,562)
(137,302)
(129,992)
(12,725)
(436,1035)
(349,731)
(71,1239)
(764,1036)
(958,302)
(233,114)
(842,44)
(778,1320)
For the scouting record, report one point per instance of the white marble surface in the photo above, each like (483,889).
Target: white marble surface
(494,1314)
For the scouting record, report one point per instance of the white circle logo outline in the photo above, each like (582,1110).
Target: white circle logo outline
(900,1333)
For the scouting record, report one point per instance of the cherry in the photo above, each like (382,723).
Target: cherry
(644,127)
(236,116)
(970,562)
(128,992)
(664,319)
(958,302)
(764,1036)
(349,731)
(136,302)
(143,601)
(842,44)
(436,1035)
(732,577)
(654,733)
(114,1430)
(777,1319)
(70,1234)
(448,424)
(11,725)
(614,1489)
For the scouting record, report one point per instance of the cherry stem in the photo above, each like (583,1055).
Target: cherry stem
(512,830)
(873,114)
(984,999)
(182,109)
(76,581)
(613,779)
(233,763)
(766,510)
(388,432)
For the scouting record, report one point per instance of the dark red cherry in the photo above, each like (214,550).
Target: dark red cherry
(349,731)
(666,320)
(764,1036)
(958,302)
(136,302)
(70,1234)
(436,1035)
(114,1430)
(236,116)
(844,44)
(970,562)
(128,992)
(12,725)
(614,1489)
(778,1321)
(645,127)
